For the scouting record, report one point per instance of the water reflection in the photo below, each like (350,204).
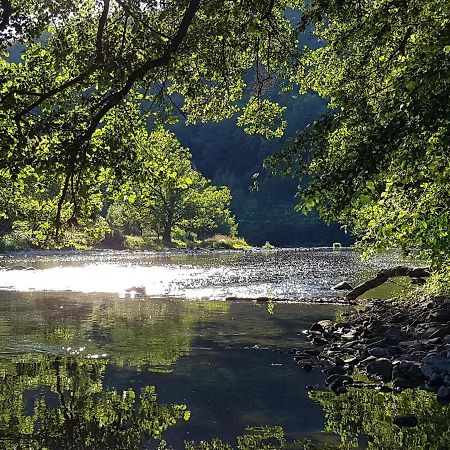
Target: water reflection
(364,419)
(228,363)
(60,403)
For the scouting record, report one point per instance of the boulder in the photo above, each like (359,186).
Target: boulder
(321,326)
(380,368)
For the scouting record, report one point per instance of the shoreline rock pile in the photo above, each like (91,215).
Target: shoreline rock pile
(405,344)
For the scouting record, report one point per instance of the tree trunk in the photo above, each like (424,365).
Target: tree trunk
(384,275)
(167,232)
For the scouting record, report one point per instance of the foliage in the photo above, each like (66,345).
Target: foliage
(167,192)
(220,241)
(371,413)
(377,161)
(83,63)
(29,202)
(268,246)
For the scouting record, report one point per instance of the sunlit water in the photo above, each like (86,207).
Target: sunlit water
(68,336)
(291,274)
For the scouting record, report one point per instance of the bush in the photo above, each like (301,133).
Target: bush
(142,243)
(220,241)
(16,240)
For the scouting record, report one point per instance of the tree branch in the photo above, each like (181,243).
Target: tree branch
(101,28)
(54,91)
(114,99)
(128,11)
(6,14)
(384,275)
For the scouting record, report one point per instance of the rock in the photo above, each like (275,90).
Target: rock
(334,382)
(435,380)
(336,370)
(436,363)
(379,352)
(408,370)
(380,368)
(443,394)
(341,325)
(321,326)
(406,421)
(319,341)
(405,383)
(383,388)
(343,286)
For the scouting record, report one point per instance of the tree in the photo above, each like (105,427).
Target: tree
(83,61)
(167,191)
(377,161)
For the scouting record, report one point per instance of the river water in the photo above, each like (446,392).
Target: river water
(84,364)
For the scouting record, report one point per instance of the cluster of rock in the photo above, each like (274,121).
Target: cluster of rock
(403,343)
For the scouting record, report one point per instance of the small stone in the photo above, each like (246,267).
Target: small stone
(319,341)
(338,361)
(383,388)
(408,421)
(343,286)
(321,326)
(405,383)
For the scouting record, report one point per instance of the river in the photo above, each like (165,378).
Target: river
(86,364)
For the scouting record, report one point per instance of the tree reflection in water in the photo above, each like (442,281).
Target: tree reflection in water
(60,403)
(367,416)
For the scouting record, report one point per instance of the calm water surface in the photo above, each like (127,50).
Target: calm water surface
(83,365)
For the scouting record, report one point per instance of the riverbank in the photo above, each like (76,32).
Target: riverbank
(396,344)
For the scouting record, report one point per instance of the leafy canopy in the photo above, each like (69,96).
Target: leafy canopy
(378,160)
(84,60)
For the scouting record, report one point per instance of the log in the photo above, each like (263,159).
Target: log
(384,275)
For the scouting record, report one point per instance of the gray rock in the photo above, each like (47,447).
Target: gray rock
(321,326)
(406,383)
(380,368)
(439,363)
(343,286)
(435,379)
(336,370)
(379,352)
(407,369)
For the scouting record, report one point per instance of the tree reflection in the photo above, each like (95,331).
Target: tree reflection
(368,415)
(60,403)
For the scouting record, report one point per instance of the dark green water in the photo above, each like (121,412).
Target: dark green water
(84,369)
